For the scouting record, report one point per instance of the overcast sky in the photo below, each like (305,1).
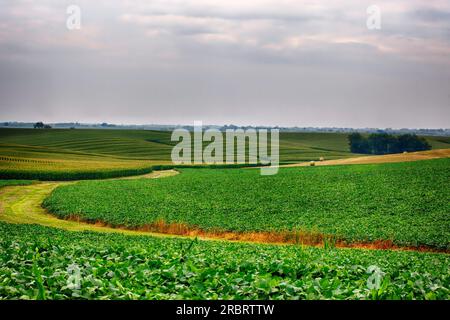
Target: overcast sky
(259,62)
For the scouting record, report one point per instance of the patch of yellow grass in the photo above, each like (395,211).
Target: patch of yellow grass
(388,158)
(22,204)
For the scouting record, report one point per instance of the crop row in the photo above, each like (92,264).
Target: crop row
(4,183)
(63,173)
(156,145)
(43,263)
(49,175)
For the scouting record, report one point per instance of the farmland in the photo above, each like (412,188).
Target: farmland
(29,162)
(59,154)
(35,263)
(149,145)
(98,154)
(156,145)
(134,238)
(353,203)
(219,157)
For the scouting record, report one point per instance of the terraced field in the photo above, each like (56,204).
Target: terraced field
(122,144)
(406,203)
(148,145)
(94,154)
(59,154)
(44,263)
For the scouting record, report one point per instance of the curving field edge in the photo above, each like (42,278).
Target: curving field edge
(22,205)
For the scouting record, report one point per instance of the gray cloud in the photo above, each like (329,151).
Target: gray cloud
(432,15)
(254,62)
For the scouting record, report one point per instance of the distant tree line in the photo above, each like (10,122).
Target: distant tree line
(383,143)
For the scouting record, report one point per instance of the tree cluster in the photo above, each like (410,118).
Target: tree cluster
(383,143)
(41,125)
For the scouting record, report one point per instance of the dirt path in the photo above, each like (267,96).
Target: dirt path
(388,158)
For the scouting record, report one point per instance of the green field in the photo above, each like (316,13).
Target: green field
(403,202)
(147,145)
(156,145)
(37,262)
(64,154)
(60,154)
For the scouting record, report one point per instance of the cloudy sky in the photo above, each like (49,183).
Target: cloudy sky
(260,62)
